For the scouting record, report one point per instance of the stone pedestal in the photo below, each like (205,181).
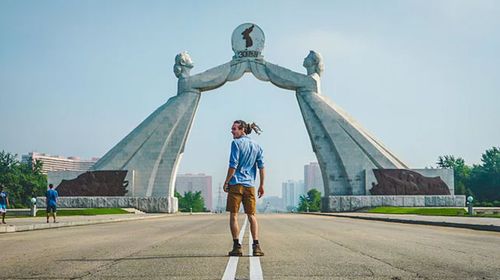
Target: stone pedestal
(145,204)
(350,203)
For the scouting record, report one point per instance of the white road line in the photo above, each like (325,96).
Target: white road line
(232,264)
(230,272)
(255,268)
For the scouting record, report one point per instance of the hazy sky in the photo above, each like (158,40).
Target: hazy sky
(422,76)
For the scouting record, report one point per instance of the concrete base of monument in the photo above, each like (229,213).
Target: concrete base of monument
(350,203)
(145,204)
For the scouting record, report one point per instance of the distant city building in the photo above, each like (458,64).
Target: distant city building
(58,163)
(290,192)
(194,183)
(313,178)
(271,204)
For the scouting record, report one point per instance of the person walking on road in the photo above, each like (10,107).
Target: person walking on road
(4,203)
(245,158)
(51,196)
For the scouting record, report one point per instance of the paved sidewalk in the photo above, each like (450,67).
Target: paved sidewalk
(36,223)
(477,223)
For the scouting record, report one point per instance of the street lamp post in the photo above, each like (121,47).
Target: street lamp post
(33,207)
(470,209)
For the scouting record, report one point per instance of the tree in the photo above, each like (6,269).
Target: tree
(312,201)
(190,201)
(461,172)
(481,180)
(21,180)
(485,177)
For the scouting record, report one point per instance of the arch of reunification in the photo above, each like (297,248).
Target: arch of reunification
(349,157)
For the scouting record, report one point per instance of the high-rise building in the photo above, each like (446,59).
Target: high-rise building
(313,178)
(290,192)
(58,163)
(194,183)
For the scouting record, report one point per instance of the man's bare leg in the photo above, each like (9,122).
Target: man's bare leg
(233,223)
(254,226)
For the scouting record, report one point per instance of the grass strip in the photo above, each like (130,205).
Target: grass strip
(84,212)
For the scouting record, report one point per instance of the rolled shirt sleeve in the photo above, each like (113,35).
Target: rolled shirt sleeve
(234,156)
(260,159)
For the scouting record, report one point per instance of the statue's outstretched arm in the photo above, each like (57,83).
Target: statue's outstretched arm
(212,78)
(285,78)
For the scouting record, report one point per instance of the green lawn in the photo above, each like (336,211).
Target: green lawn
(84,212)
(427,211)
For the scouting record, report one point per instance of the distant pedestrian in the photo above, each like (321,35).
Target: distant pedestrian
(4,203)
(51,197)
(246,157)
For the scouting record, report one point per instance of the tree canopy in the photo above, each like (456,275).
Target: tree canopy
(311,201)
(190,200)
(22,181)
(479,180)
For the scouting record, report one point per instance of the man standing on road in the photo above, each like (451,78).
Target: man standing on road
(51,197)
(246,156)
(4,203)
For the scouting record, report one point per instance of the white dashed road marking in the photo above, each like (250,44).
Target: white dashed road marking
(255,268)
(232,264)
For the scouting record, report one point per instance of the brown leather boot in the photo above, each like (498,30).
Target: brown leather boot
(236,251)
(257,252)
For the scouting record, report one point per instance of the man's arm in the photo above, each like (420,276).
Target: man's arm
(285,78)
(262,174)
(230,174)
(212,78)
(233,164)
(260,165)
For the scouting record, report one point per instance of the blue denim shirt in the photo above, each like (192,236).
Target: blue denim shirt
(246,156)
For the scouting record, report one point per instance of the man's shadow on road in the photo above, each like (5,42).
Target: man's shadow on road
(144,258)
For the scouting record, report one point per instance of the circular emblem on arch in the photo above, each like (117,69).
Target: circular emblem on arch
(247,41)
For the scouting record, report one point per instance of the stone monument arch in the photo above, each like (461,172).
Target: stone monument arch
(347,154)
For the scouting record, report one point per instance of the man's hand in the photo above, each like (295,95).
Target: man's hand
(260,192)
(226,187)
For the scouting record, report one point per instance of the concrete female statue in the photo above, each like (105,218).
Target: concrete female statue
(287,79)
(151,153)
(343,148)
(208,80)
(183,65)
(313,63)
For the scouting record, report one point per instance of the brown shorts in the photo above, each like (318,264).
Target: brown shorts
(238,194)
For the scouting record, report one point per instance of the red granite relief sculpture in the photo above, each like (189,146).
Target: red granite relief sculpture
(95,183)
(407,182)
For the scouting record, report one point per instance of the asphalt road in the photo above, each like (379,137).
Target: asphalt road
(296,247)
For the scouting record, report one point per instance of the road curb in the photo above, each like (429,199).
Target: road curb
(13,228)
(416,222)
